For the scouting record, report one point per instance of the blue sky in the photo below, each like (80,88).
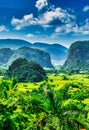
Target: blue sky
(51,21)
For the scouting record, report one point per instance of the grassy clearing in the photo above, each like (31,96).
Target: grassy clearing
(57,81)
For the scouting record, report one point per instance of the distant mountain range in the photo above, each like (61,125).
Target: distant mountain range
(78,56)
(46,54)
(32,54)
(7,56)
(13,43)
(56,51)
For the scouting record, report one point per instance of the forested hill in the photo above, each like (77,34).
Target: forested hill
(57,51)
(78,56)
(31,54)
(5,54)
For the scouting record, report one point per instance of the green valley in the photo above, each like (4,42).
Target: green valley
(35,95)
(44,65)
(57,103)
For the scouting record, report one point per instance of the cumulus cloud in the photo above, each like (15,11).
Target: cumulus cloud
(73,28)
(56,16)
(3,28)
(67,28)
(84,29)
(60,19)
(86,8)
(27,20)
(29,35)
(40,4)
(52,17)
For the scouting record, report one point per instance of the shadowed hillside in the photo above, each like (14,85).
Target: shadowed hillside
(78,56)
(56,51)
(31,54)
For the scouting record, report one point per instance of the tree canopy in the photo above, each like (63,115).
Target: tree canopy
(25,71)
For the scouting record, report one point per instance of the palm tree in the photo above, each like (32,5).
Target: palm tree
(70,118)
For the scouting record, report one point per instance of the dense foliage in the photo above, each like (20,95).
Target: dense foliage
(26,71)
(2,72)
(48,107)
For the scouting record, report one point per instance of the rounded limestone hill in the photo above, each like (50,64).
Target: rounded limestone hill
(5,54)
(25,71)
(78,56)
(31,54)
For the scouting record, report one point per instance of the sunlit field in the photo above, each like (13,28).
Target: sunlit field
(58,81)
(57,103)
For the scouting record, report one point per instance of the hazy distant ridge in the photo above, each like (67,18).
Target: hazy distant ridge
(56,51)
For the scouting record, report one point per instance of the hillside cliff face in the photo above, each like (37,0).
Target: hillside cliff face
(5,54)
(31,54)
(78,56)
(56,51)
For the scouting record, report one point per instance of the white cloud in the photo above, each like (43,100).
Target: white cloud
(3,28)
(40,4)
(56,17)
(84,29)
(53,17)
(86,8)
(27,20)
(60,19)
(73,28)
(67,28)
(29,35)
(49,16)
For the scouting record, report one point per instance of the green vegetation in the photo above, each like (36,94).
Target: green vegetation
(5,54)
(59,103)
(26,71)
(78,57)
(2,72)
(32,54)
(56,51)
(32,98)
